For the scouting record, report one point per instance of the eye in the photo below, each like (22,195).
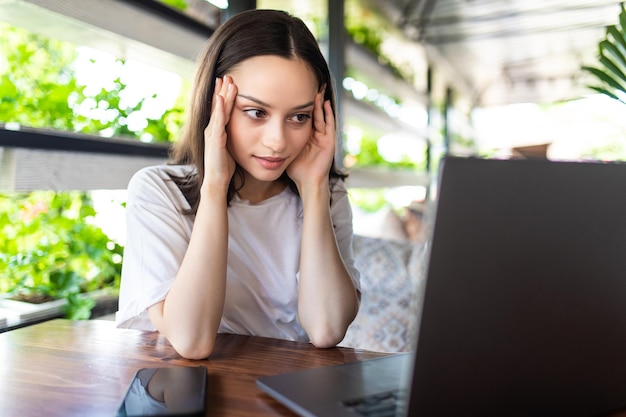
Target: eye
(300,118)
(255,113)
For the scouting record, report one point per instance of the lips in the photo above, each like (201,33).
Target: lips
(270,162)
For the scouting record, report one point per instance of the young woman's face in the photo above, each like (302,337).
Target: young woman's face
(271,120)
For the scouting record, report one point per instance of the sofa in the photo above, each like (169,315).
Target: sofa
(392,285)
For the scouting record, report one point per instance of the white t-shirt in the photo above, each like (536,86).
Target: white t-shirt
(263,254)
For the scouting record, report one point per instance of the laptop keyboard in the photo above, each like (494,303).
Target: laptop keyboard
(385,404)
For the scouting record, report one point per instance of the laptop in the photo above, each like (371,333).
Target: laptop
(524,310)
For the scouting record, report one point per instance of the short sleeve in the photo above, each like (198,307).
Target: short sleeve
(157,236)
(341,214)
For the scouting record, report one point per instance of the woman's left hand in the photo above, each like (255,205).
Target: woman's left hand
(312,165)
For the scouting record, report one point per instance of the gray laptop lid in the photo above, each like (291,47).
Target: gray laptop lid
(525,303)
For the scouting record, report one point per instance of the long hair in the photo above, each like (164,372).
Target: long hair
(248,34)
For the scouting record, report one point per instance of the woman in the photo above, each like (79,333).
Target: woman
(249,229)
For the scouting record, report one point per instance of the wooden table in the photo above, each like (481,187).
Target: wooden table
(66,368)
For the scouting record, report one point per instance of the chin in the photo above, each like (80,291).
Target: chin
(268,176)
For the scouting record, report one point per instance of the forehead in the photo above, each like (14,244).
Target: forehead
(276,80)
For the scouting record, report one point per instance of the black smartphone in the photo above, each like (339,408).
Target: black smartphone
(172,391)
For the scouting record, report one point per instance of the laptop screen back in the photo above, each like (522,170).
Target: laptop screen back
(525,304)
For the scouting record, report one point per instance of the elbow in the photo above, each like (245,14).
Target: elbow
(194,341)
(328,332)
(194,350)
(326,337)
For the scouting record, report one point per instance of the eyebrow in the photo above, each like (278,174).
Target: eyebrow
(262,103)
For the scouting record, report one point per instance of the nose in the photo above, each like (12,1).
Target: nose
(275,137)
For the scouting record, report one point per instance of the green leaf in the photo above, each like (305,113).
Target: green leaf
(78,307)
(617,75)
(178,4)
(612,56)
(604,77)
(606,92)
(65,282)
(609,48)
(619,38)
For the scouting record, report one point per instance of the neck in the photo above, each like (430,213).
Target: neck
(255,191)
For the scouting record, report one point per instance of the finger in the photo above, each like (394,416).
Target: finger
(219,96)
(318,114)
(329,116)
(216,90)
(226,81)
(230,96)
(216,125)
(221,86)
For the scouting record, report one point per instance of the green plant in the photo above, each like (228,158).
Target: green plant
(612,57)
(163,129)
(177,4)
(369,156)
(50,247)
(36,80)
(369,30)
(39,88)
(370,200)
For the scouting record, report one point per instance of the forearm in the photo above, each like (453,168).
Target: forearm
(191,313)
(327,299)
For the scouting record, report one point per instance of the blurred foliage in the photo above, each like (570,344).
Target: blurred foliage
(177,4)
(607,152)
(37,81)
(611,72)
(365,28)
(49,247)
(364,151)
(369,156)
(39,88)
(369,30)
(164,129)
(370,200)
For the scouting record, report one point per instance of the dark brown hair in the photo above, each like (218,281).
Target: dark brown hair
(248,34)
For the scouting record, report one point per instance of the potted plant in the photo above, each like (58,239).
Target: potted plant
(53,257)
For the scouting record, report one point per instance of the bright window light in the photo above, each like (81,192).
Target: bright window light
(222,4)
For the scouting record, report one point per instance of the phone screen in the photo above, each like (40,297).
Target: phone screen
(175,391)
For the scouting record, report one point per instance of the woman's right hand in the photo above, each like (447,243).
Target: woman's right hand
(219,165)
(192,310)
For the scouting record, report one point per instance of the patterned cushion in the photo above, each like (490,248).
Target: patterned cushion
(391,286)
